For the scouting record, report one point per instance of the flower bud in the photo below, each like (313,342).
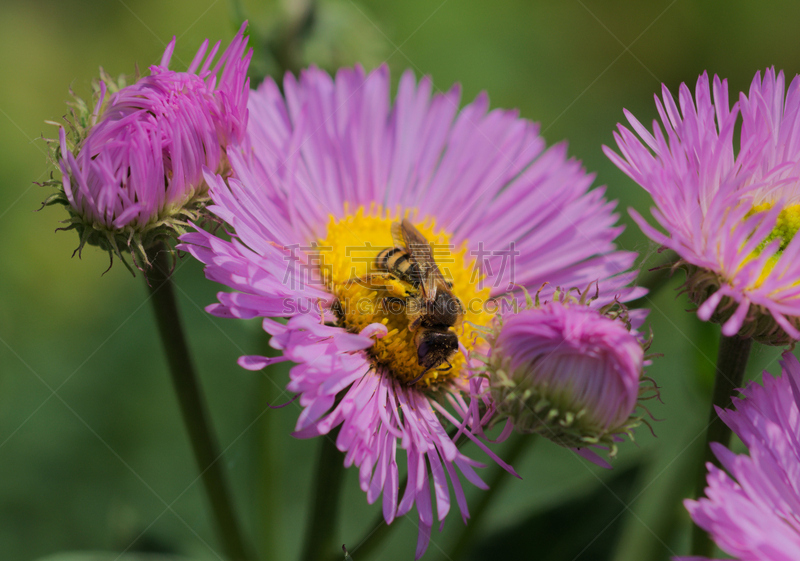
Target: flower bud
(567,370)
(132,169)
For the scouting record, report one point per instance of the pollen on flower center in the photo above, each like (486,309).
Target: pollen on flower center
(366,295)
(785,228)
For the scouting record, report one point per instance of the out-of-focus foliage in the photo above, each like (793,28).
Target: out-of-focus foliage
(296,33)
(92,452)
(587,525)
(111,556)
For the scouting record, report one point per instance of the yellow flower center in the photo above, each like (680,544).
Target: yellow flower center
(367,294)
(786,227)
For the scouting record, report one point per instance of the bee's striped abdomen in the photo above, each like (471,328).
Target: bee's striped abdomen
(383,257)
(398,262)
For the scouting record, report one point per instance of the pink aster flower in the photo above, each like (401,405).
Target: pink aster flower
(132,171)
(321,178)
(730,214)
(568,371)
(753,514)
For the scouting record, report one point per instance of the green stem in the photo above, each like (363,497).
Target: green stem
(731,364)
(321,527)
(519,443)
(192,403)
(268,476)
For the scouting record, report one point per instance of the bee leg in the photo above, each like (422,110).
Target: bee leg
(418,378)
(412,326)
(449,367)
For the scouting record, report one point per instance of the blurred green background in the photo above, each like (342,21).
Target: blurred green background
(93,455)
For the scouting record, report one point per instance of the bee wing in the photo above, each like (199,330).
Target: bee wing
(421,252)
(439,280)
(403,241)
(398,237)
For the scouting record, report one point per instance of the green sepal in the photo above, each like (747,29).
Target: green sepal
(534,410)
(759,324)
(131,243)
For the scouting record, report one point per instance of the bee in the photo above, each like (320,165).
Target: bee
(431,307)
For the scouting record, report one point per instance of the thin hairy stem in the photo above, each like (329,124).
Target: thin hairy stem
(192,404)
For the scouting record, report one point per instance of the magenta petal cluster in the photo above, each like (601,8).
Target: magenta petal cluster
(333,150)
(139,167)
(730,212)
(567,371)
(753,514)
(370,420)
